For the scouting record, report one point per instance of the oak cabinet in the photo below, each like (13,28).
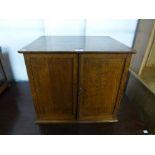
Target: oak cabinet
(76,85)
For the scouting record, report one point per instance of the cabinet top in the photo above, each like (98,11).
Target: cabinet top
(77,44)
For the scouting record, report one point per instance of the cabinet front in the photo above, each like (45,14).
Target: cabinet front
(53,79)
(99,81)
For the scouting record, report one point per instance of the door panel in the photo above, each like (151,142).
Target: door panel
(54,80)
(99,80)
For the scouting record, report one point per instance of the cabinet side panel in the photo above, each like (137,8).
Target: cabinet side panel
(31,81)
(123,82)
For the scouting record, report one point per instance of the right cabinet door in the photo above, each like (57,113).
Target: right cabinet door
(100,77)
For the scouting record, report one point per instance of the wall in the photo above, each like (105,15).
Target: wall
(66,27)
(122,29)
(14,34)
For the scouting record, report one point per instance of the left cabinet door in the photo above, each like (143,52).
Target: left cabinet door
(53,80)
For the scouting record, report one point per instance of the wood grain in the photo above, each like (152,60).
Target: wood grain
(104,119)
(122,82)
(100,76)
(54,84)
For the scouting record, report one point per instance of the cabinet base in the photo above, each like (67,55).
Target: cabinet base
(74,121)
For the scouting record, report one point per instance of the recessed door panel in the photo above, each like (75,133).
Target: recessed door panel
(54,81)
(99,81)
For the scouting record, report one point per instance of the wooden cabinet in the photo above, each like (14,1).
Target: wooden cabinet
(76,85)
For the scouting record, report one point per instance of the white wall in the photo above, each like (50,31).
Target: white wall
(122,30)
(14,34)
(66,27)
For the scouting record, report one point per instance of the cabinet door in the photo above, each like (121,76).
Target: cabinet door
(100,77)
(53,79)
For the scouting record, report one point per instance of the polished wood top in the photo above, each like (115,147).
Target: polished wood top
(77,44)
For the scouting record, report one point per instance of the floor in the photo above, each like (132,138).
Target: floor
(17,117)
(148,75)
